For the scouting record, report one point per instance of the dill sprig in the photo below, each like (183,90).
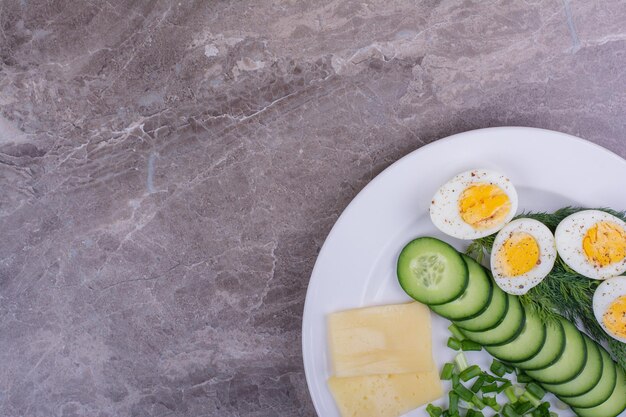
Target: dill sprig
(563,292)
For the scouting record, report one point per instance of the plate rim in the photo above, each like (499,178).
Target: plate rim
(379,177)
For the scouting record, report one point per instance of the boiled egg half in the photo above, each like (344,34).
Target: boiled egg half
(474,204)
(523,254)
(609,307)
(593,243)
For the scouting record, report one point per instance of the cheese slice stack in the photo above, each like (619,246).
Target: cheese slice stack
(382,360)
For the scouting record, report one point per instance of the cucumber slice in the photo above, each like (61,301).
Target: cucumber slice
(493,315)
(505,332)
(431,271)
(551,350)
(571,362)
(602,391)
(526,345)
(587,379)
(613,406)
(475,298)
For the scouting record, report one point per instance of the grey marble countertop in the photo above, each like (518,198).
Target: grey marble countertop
(169,171)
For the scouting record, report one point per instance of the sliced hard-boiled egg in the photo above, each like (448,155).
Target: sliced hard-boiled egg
(593,243)
(609,307)
(523,253)
(474,204)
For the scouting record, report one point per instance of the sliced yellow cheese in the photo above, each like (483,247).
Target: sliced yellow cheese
(391,339)
(384,395)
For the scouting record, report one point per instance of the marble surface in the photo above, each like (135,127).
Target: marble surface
(169,170)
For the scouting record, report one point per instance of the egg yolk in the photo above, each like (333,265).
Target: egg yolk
(484,205)
(615,317)
(605,244)
(518,254)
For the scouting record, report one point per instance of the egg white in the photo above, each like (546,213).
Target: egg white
(520,284)
(569,236)
(444,208)
(606,293)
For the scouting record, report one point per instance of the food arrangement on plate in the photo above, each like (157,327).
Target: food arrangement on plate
(551,310)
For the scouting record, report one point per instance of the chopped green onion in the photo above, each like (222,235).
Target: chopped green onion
(434,411)
(478,384)
(490,388)
(523,408)
(510,394)
(497,368)
(461,362)
(446,372)
(489,400)
(509,369)
(478,402)
(535,390)
(456,332)
(455,379)
(542,411)
(519,390)
(504,386)
(464,393)
(531,398)
(489,378)
(523,378)
(509,411)
(470,345)
(453,406)
(454,344)
(545,405)
(470,373)
(474,413)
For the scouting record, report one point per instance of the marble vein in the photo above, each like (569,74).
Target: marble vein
(169,171)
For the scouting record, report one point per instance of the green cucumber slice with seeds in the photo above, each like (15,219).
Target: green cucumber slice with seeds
(474,300)
(603,389)
(492,316)
(505,332)
(551,350)
(587,379)
(529,342)
(571,362)
(431,271)
(613,406)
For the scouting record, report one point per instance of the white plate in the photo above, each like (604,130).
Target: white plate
(356,266)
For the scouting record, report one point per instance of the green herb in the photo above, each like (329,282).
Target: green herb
(470,373)
(504,386)
(446,372)
(478,384)
(509,411)
(563,292)
(535,390)
(523,408)
(523,378)
(510,394)
(490,388)
(461,362)
(434,411)
(456,332)
(492,402)
(497,368)
(453,407)
(454,344)
(468,345)
(464,393)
